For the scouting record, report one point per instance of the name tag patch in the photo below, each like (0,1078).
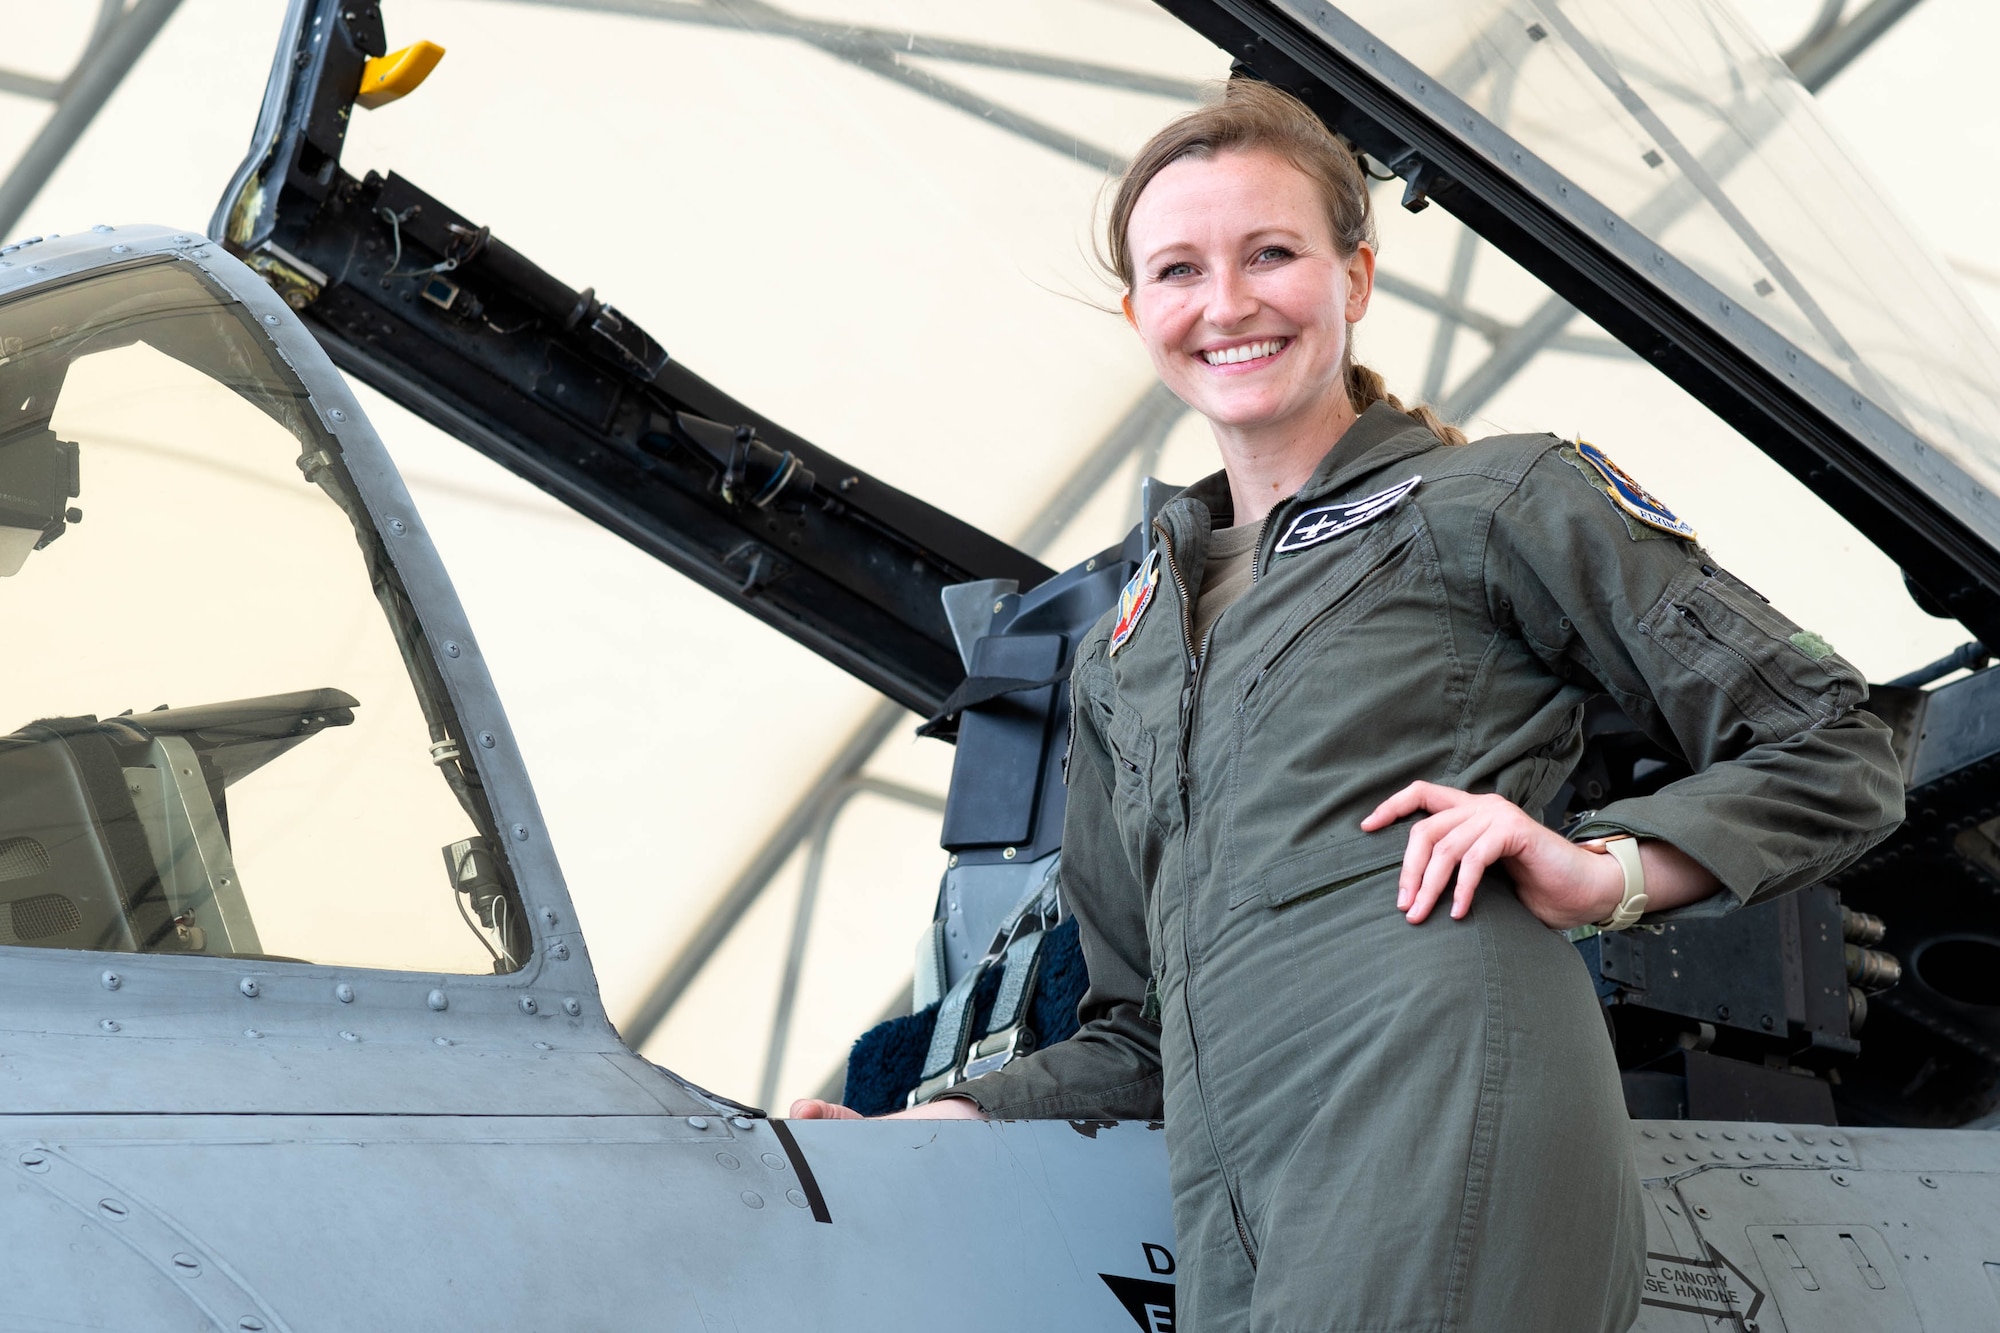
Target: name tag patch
(1632,498)
(1135,598)
(1323,523)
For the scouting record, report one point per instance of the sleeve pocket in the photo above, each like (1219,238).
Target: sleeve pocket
(1724,630)
(1330,866)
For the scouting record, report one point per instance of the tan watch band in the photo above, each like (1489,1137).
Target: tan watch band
(1624,849)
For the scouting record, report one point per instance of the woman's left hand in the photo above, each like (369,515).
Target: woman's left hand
(1562,883)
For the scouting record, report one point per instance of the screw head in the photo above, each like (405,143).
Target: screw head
(1010,853)
(1701,1212)
(543,1046)
(108,1024)
(346,1035)
(112,1209)
(528,1005)
(186,1265)
(559,952)
(271,320)
(344,993)
(487,739)
(35,1160)
(1746,1178)
(397,526)
(251,990)
(752,1199)
(697,1122)
(111,980)
(252,1033)
(548,913)
(438,1001)
(451,649)
(742,1122)
(1928,1182)
(573,1007)
(121,249)
(521,835)
(1838,1178)
(182,240)
(336,413)
(999,606)
(796,1199)
(250,1324)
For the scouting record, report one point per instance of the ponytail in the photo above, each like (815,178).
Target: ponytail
(1365,388)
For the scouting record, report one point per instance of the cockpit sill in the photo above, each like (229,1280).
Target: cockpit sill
(267,1029)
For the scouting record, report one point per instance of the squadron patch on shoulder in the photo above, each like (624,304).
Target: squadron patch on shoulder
(1323,523)
(1630,497)
(1135,598)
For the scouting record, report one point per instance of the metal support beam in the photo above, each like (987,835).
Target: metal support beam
(120,38)
(887,54)
(1814,65)
(802,915)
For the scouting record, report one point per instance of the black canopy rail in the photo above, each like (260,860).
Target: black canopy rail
(564,390)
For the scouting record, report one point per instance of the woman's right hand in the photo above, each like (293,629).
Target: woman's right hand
(945,1108)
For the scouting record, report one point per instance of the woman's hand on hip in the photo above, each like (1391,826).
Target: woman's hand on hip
(1562,883)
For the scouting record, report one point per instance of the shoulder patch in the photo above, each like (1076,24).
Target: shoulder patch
(1629,497)
(1135,598)
(1322,523)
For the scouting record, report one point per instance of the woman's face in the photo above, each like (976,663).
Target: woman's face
(1240,293)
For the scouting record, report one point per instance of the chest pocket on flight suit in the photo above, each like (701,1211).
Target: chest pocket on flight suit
(1131,748)
(1362,576)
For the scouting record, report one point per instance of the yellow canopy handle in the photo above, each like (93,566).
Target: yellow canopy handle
(386,78)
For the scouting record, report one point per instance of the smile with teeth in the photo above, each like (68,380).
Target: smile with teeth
(1229,356)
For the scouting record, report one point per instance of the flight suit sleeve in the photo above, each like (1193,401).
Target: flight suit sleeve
(1792,781)
(1110,1068)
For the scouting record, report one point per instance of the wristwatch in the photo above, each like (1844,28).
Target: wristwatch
(1623,848)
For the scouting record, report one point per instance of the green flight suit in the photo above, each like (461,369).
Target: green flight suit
(1374,1126)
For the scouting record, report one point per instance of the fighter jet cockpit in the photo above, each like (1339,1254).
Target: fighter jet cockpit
(206,691)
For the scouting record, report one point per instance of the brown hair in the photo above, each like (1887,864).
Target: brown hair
(1248,115)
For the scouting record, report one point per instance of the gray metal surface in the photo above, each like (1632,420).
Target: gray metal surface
(1807,1229)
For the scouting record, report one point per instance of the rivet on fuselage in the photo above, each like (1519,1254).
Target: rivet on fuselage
(439,1001)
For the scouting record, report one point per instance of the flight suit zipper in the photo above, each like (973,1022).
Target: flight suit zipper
(1189,694)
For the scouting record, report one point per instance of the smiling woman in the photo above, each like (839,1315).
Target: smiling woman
(1373,1126)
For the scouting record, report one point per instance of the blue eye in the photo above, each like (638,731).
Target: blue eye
(1179,270)
(1273,254)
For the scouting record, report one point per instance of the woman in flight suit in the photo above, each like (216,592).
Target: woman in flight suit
(1380,1116)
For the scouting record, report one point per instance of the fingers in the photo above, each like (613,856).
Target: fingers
(1467,840)
(812,1108)
(1425,835)
(1417,796)
(1471,867)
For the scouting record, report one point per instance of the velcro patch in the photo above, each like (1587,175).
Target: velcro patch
(1135,598)
(1630,497)
(1323,523)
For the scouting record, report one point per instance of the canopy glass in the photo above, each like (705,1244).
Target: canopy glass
(1678,117)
